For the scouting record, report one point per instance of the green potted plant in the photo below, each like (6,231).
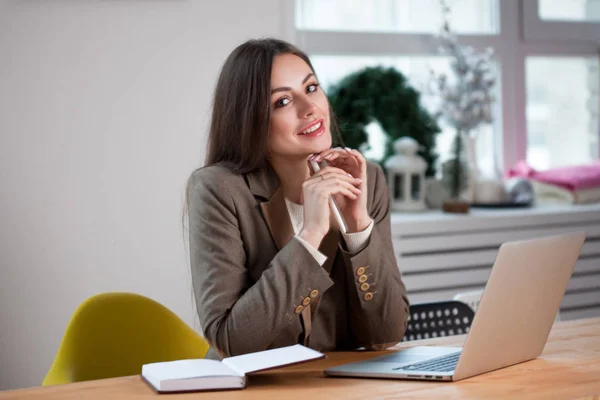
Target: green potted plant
(383,95)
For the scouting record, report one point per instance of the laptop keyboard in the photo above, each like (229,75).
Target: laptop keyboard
(441,364)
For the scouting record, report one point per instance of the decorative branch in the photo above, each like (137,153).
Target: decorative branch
(464,102)
(467,102)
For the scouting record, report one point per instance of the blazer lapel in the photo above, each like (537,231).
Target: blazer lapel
(278,219)
(264,184)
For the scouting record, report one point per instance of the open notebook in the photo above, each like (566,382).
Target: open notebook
(230,373)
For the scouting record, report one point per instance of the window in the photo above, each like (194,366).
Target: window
(562,114)
(408,16)
(546,63)
(572,10)
(562,22)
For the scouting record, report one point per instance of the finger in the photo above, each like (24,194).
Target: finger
(359,157)
(326,189)
(327,153)
(355,161)
(333,153)
(330,169)
(331,184)
(344,157)
(347,162)
(336,155)
(355,153)
(336,174)
(349,194)
(321,169)
(345,191)
(356,156)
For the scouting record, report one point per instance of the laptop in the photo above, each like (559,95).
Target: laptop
(516,312)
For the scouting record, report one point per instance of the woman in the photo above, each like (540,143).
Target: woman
(270,267)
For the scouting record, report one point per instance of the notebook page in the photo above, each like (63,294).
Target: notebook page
(186,369)
(273,358)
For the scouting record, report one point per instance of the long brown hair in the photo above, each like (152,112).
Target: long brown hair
(239,127)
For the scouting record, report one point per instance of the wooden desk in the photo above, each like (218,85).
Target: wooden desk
(568,368)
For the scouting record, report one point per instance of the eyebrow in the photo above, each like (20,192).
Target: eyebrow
(287,88)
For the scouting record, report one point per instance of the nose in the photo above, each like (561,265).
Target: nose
(307,107)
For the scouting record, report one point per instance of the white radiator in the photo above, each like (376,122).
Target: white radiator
(441,255)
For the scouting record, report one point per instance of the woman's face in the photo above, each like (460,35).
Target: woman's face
(299,124)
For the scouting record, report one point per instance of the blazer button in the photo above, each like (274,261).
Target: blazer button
(368,296)
(306,301)
(362,279)
(360,271)
(364,287)
(314,293)
(298,309)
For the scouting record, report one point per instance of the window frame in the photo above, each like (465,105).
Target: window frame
(537,29)
(520,35)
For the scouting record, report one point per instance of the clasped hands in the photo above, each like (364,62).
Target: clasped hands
(345,179)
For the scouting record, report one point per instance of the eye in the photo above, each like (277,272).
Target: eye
(313,87)
(282,102)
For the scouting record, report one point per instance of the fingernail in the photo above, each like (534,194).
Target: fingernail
(350,175)
(311,158)
(348,148)
(328,156)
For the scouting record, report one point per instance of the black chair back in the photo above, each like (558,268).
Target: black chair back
(439,319)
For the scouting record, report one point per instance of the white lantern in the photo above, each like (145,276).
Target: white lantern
(406,176)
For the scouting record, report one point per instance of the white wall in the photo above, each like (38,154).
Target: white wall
(103,112)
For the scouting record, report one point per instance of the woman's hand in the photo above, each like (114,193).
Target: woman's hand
(354,210)
(316,191)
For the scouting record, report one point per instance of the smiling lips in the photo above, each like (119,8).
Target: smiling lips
(314,130)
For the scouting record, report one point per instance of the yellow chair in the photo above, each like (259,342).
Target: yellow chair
(114,334)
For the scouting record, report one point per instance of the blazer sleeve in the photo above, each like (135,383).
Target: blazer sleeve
(379,306)
(236,316)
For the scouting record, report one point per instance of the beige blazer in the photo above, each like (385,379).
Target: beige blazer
(257,287)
